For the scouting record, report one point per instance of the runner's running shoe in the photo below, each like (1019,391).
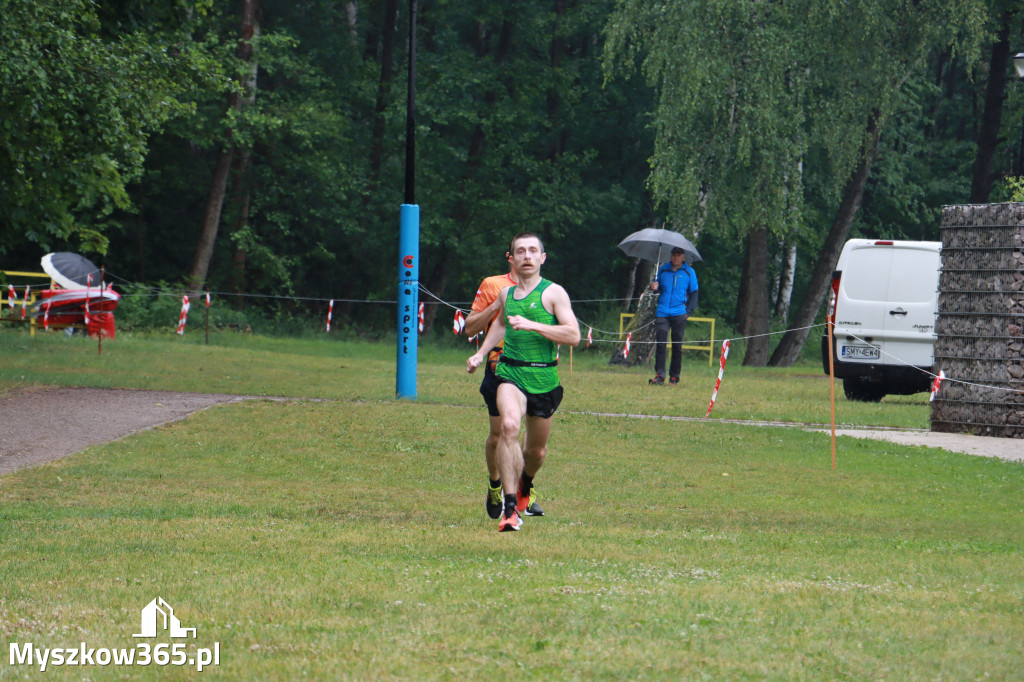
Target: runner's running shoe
(527,504)
(673,380)
(494,502)
(658,380)
(509,523)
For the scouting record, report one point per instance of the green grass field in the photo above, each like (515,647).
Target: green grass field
(346,538)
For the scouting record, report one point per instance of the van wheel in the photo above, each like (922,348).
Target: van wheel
(863,391)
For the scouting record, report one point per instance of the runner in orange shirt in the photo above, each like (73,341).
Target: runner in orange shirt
(486,307)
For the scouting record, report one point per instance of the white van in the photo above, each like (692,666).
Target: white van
(886,300)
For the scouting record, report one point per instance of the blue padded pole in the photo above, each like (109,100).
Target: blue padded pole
(408,301)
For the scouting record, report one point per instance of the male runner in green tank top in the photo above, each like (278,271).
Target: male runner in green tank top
(536,316)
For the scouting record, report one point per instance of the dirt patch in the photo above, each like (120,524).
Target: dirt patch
(46,423)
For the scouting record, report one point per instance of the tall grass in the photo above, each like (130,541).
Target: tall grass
(347,539)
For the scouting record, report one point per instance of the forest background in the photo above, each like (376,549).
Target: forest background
(256,148)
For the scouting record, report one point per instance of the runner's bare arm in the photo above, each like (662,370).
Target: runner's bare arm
(494,335)
(477,320)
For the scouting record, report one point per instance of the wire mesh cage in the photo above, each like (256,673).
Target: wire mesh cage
(980,324)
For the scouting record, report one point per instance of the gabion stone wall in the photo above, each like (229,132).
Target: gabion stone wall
(980,325)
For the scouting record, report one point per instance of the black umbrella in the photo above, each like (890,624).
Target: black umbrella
(70,270)
(654,244)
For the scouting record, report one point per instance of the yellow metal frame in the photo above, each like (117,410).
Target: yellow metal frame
(710,348)
(5,301)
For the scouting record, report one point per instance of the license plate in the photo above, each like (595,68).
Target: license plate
(860,352)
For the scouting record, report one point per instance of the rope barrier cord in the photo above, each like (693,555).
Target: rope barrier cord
(605,331)
(711,342)
(439,301)
(936,376)
(691,341)
(156,291)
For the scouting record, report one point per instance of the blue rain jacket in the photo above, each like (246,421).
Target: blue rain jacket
(675,287)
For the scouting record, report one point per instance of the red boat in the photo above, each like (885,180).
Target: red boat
(67,307)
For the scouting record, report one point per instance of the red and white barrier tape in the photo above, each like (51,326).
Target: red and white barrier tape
(12,297)
(24,301)
(420,318)
(590,336)
(721,371)
(936,384)
(88,285)
(183,317)
(459,323)
(330,313)
(625,351)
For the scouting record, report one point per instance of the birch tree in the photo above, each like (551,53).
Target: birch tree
(747,89)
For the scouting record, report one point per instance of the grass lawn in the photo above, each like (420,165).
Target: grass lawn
(346,539)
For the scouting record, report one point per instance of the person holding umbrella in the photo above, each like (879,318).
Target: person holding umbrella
(677,283)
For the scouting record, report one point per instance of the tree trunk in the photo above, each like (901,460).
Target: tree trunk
(554,98)
(241,197)
(627,295)
(211,220)
(743,294)
(756,309)
(352,18)
(642,329)
(786,275)
(793,341)
(248,35)
(140,235)
(387,71)
(988,136)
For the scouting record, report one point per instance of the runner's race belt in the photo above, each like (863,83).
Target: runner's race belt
(493,364)
(512,362)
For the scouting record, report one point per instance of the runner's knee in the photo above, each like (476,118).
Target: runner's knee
(535,454)
(510,429)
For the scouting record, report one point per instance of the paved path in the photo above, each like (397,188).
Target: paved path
(41,424)
(1010,449)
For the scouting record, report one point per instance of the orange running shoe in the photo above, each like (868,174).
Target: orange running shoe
(509,523)
(527,504)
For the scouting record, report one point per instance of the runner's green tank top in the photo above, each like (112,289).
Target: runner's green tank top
(529,346)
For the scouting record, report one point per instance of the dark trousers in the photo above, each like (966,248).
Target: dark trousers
(662,325)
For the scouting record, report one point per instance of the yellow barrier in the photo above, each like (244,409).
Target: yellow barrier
(31,299)
(710,348)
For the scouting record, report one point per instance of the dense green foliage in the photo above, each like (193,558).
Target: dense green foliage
(78,98)
(115,113)
(751,94)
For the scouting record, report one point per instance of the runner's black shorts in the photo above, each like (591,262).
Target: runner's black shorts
(541,405)
(489,390)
